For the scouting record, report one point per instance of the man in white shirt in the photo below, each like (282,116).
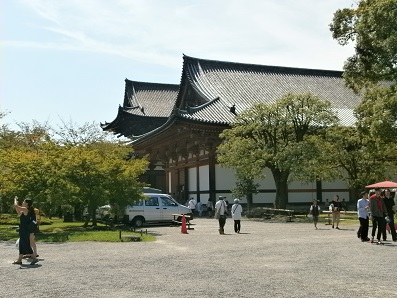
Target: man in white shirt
(363,216)
(192,205)
(220,214)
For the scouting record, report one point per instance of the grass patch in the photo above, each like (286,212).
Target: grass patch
(55,230)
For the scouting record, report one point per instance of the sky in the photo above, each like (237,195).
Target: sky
(66,60)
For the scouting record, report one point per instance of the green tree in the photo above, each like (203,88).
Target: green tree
(371,72)
(245,187)
(276,136)
(25,166)
(355,158)
(56,170)
(372,25)
(101,174)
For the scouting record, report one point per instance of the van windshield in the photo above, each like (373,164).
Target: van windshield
(167,202)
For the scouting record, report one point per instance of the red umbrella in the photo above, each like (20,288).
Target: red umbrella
(383,184)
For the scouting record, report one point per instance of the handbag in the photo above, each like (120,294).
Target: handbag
(217,214)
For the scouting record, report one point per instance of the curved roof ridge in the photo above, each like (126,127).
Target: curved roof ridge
(279,69)
(151,83)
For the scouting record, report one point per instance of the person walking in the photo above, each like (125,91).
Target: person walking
(315,211)
(192,206)
(237,209)
(378,212)
(210,207)
(389,203)
(336,208)
(26,215)
(199,208)
(363,216)
(220,214)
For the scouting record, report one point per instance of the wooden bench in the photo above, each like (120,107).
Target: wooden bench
(267,215)
(177,222)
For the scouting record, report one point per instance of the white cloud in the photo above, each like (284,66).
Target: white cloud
(253,31)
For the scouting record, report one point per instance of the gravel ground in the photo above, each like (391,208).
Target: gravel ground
(268,259)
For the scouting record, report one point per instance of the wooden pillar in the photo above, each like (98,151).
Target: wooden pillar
(211,174)
(186,190)
(198,183)
(319,191)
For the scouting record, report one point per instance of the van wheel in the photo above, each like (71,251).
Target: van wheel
(138,222)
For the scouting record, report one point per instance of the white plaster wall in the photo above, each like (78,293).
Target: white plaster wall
(330,189)
(192,176)
(263,198)
(204,178)
(224,178)
(334,184)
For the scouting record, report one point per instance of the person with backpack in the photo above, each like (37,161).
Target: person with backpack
(237,209)
(315,212)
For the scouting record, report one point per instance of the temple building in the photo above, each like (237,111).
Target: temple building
(178,126)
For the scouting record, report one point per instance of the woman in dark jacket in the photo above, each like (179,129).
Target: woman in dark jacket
(26,215)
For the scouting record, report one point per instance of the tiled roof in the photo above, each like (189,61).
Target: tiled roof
(224,84)
(146,106)
(213,92)
(149,99)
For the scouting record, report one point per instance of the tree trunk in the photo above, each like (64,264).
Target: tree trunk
(94,221)
(281,180)
(249,201)
(354,196)
(86,220)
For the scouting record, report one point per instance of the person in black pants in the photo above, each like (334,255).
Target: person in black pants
(378,212)
(220,214)
(389,203)
(362,212)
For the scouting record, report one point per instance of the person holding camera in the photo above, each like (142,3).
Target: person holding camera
(26,216)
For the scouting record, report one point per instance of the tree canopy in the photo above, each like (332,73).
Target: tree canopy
(372,25)
(281,136)
(371,72)
(80,172)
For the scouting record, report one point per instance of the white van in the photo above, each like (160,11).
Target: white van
(156,208)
